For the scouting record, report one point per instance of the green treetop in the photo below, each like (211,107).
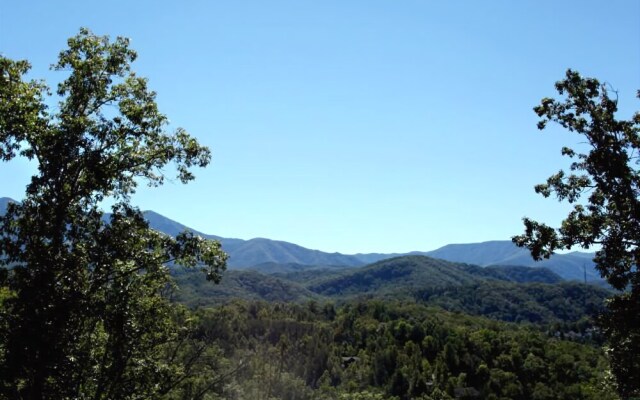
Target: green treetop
(604,187)
(85,316)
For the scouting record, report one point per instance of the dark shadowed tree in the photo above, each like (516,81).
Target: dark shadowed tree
(603,185)
(84,313)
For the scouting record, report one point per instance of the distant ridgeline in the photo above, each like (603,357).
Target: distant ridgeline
(489,279)
(262,253)
(265,255)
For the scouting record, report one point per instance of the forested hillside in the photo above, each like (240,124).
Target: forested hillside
(388,350)
(516,294)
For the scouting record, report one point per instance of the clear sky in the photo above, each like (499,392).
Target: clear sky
(352,126)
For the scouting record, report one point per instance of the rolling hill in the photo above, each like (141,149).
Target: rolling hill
(516,294)
(404,275)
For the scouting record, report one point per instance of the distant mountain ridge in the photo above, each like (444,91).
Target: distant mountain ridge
(251,253)
(247,253)
(254,252)
(570,266)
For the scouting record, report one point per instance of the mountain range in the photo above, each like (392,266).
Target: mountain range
(280,256)
(263,253)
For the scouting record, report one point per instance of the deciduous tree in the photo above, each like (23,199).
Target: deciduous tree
(603,185)
(83,311)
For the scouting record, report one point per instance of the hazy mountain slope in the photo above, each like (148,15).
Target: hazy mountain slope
(581,254)
(570,267)
(408,271)
(249,253)
(170,227)
(369,258)
(485,253)
(504,252)
(258,251)
(496,292)
(506,293)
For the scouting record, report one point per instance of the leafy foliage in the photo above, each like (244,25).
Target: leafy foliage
(523,274)
(86,314)
(604,187)
(249,285)
(409,273)
(390,350)
(532,302)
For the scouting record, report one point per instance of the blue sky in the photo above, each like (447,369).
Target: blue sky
(352,126)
